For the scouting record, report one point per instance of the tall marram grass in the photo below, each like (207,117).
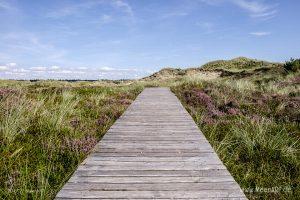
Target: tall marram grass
(255,132)
(47,129)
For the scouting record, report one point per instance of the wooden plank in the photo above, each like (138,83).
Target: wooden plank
(152,154)
(152,146)
(150,166)
(153,151)
(205,159)
(152,194)
(152,186)
(149,179)
(214,198)
(197,173)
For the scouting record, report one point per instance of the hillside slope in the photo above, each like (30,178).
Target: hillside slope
(251,116)
(239,63)
(238,67)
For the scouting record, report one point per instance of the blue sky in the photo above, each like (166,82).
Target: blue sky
(96,39)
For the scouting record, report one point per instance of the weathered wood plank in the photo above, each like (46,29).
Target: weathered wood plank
(206,159)
(152,154)
(214,198)
(149,179)
(152,194)
(150,166)
(153,151)
(196,173)
(152,187)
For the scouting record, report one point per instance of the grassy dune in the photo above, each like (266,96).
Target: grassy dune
(255,134)
(247,109)
(47,129)
(253,125)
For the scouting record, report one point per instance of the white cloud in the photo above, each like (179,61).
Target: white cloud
(72,9)
(55,67)
(107,68)
(12,64)
(66,71)
(20,70)
(31,45)
(123,6)
(71,73)
(175,14)
(265,15)
(79,72)
(79,8)
(7,67)
(82,68)
(212,2)
(3,68)
(5,5)
(251,6)
(257,9)
(260,33)
(105,19)
(38,69)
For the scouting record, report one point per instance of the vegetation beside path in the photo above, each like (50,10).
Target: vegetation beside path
(48,128)
(252,122)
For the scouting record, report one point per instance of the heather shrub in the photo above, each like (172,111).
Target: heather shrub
(48,128)
(292,65)
(254,131)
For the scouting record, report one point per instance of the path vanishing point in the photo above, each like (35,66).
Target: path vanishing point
(153,151)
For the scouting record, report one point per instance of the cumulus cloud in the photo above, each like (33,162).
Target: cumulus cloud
(12,64)
(8,66)
(20,70)
(66,71)
(106,68)
(38,69)
(58,72)
(3,68)
(82,68)
(55,67)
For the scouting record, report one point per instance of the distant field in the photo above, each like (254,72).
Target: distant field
(249,111)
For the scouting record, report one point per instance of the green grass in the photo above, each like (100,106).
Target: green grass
(253,128)
(239,64)
(48,128)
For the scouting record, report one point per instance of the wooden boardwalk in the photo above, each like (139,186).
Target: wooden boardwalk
(154,151)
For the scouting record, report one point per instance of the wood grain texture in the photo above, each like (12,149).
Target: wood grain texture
(153,151)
